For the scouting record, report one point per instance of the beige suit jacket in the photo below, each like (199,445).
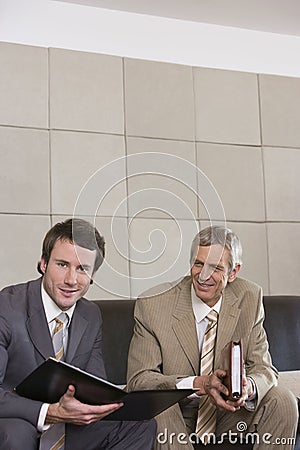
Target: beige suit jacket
(164,346)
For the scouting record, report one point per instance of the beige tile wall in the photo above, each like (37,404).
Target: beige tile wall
(227,109)
(149,151)
(86,92)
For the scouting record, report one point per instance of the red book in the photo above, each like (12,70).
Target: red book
(232,361)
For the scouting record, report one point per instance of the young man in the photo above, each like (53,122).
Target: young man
(167,352)
(72,252)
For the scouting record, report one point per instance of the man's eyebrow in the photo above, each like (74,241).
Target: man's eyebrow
(211,264)
(85,266)
(217,264)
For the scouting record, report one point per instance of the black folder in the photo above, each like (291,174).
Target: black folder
(49,381)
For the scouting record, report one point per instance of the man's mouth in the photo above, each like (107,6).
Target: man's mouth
(68,292)
(204,285)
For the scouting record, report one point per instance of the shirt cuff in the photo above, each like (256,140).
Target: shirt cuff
(251,401)
(42,417)
(254,390)
(186,383)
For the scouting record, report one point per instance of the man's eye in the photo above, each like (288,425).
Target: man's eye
(82,269)
(62,264)
(198,264)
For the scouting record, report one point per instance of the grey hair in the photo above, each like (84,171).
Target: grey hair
(221,235)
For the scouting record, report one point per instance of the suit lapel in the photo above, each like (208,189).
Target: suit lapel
(185,329)
(229,315)
(76,330)
(37,325)
(184,325)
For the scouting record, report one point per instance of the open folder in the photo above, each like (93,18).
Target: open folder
(49,381)
(232,361)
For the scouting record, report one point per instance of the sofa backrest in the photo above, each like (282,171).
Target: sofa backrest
(118,322)
(282,324)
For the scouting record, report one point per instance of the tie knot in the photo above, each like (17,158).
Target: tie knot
(212,316)
(62,318)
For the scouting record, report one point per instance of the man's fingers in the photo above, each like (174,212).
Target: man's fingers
(70,391)
(220,373)
(107,409)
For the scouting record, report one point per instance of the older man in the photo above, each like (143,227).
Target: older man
(178,341)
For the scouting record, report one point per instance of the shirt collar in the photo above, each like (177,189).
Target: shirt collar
(51,308)
(200,308)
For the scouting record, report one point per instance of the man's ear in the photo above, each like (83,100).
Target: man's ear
(234,273)
(43,265)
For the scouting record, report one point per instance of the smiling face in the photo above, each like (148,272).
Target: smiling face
(68,273)
(211,273)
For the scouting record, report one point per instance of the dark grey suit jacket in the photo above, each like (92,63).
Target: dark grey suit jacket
(25,342)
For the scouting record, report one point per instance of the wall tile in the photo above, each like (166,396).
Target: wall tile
(237,176)
(284,249)
(280,110)
(21,239)
(161,183)
(159,100)
(88,170)
(23,85)
(112,279)
(24,177)
(159,251)
(87,174)
(86,91)
(253,237)
(226,106)
(282,173)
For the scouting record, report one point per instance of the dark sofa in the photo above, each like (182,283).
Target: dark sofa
(282,324)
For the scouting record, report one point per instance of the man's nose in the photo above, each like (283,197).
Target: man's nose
(71,276)
(205,273)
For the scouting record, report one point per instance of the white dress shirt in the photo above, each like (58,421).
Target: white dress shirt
(200,310)
(52,311)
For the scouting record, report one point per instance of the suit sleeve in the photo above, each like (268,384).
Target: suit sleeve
(95,363)
(11,404)
(258,360)
(145,358)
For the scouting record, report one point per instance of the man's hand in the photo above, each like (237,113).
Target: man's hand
(71,410)
(245,393)
(213,386)
(248,389)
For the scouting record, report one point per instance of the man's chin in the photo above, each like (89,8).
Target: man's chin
(67,301)
(202,288)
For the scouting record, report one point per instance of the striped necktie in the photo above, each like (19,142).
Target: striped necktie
(54,437)
(58,335)
(206,422)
